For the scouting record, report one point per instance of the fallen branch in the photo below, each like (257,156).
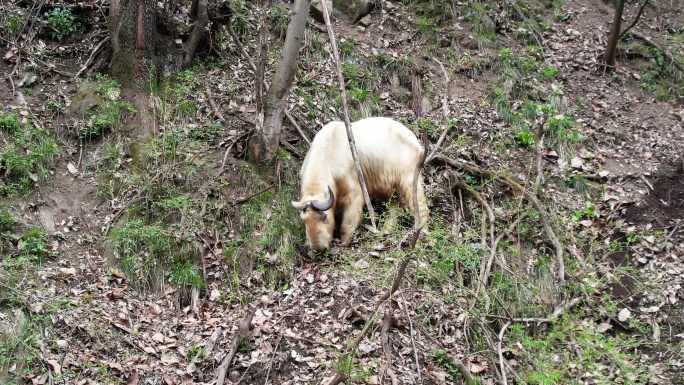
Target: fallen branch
(538,136)
(413,340)
(387,322)
(338,379)
(243,331)
(556,313)
(345,109)
(500,352)
(11,74)
(445,110)
(664,244)
(212,104)
(643,178)
(91,57)
(647,40)
(211,343)
(243,200)
(310,341)
(270,362)
(230,146)
(486,263)
(543,215)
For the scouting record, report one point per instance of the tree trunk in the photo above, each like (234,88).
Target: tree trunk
(131,26)
(141,52)
(609,55)
(264,144)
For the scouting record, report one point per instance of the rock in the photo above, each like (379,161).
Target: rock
(354,10)
(360,28)
(316,11)
(85,99)
(365,21)
(12,324)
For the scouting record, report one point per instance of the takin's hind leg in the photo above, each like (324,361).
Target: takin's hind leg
(407,192)
(351,218)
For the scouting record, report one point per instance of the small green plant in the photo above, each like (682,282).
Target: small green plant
(196,352)
(587,212)
(524,136)
(7,221)
(145,250)
(24,158)
(446,362)
(62,22)
(110,114)
(33,245)
(9,122)
(13,23)
(347,47)
(278,19)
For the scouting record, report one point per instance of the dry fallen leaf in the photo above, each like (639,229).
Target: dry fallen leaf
(55,366)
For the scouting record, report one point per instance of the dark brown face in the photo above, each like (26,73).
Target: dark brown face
(320,226)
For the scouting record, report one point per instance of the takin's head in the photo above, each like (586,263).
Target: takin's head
(318,219)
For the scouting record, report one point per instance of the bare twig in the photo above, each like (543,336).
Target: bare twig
(296,126)
(310,341)
(243,200)
(214,108)
(230,146)
(260,71)
(417,96)
(338,379)
(413,340)
(242,332)
(556,313)
(387,322)
(501,359)
(265,84)
(9,77)
(445,110)
(543,214)
(643,178)
(636,19)
(498,239)
(538,136)
(347,123)
(664,244)
(91,57)
(270,362)
(492,219)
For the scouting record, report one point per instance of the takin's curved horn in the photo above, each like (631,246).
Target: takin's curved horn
(324,206)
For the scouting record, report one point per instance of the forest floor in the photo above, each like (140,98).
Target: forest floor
(121,268)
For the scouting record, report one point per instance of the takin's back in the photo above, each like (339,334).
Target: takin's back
(385,147)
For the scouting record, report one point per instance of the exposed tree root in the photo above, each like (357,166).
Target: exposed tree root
(387,322)
(543,214)
(647,40)
(484,271)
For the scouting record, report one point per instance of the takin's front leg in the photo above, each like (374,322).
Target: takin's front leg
(351,218)
(395,209)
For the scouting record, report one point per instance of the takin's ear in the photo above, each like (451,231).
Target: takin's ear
(298,205)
